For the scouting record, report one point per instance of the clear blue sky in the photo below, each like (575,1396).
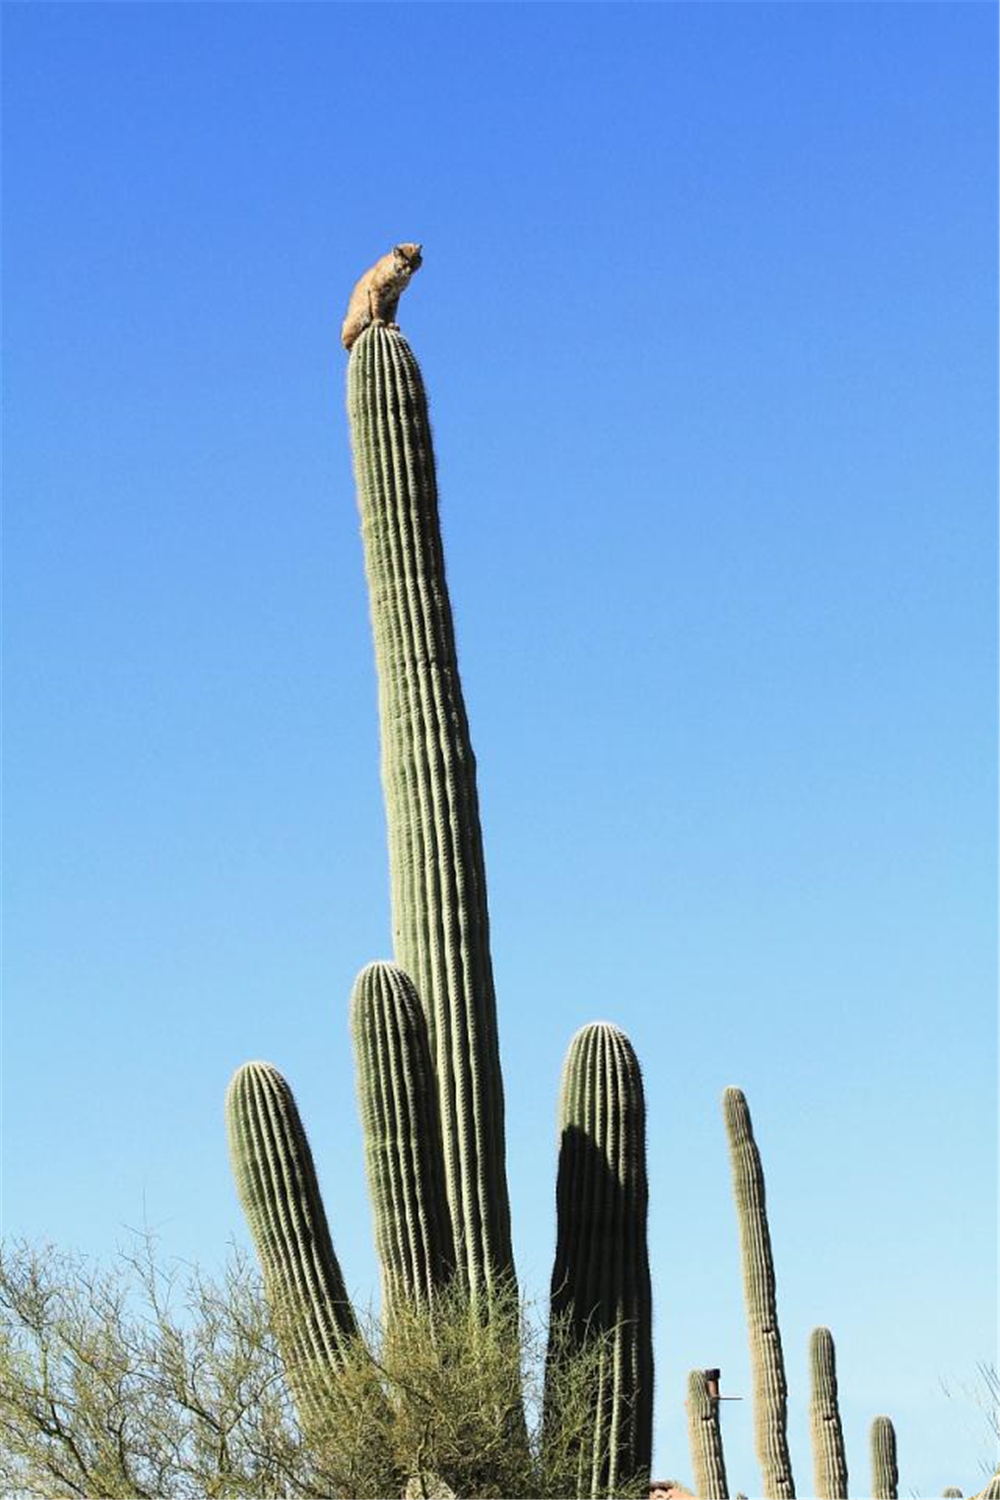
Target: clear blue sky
(708,319)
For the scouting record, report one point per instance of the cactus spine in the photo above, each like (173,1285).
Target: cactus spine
(829,1458)
(399,1117)
(705,1437)
(770,1390)
(440,919)
(276,1182)
(600,1279)
(885,1475)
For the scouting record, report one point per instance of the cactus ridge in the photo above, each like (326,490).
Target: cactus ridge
(770,1389)
(277,1186)
(829,1456)
(437,876)
(402,1132)
(705,1438)
(885,1474)
(600,1277)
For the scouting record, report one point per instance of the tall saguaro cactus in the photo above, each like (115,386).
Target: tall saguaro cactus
(399,1117)
(885,1474)
(770,1389)
(600,1278)
(705,1438)
(277,1186)
(829,1457)
(440,918)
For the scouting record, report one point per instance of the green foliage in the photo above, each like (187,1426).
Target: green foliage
(132,1382)
(143,1381)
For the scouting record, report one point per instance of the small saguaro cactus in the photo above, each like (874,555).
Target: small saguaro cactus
(770,1389)
(277,1186)
(403,1153)
(829,1458)
(705,1438)
(885,1474)
(600,1277)
(437,874)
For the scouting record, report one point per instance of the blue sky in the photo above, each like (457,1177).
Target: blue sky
(708,321)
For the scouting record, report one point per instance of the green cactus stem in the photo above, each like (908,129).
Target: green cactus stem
(402,1132)
(885,1474)
(770,1390)
(829,1457)
(277,1186)
(600,1278)
(440,918)
(705,1438)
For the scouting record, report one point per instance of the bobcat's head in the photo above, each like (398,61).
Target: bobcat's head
(407,257)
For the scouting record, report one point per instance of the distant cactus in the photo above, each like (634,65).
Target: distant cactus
(437,875)
(402,1132)
(950,1492)
(600,1279)
(705,1437)
(770,1390)
(885,1474)
(276,1182)
(829,1458)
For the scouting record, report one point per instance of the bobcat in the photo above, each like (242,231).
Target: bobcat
(377,294)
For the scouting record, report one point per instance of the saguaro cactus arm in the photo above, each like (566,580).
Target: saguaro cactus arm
(829,1456)
(705,1438)
(885,1474)
(770,1390)
(402,1132)
(276,1182)
(600,1279)
(440,917)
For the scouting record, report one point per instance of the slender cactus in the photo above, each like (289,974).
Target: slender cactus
(276,1182)
(402,1132)
(770,1389)
(885,1474)
(705,1437)
(440,918)
(600,1279)
(829,1457)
